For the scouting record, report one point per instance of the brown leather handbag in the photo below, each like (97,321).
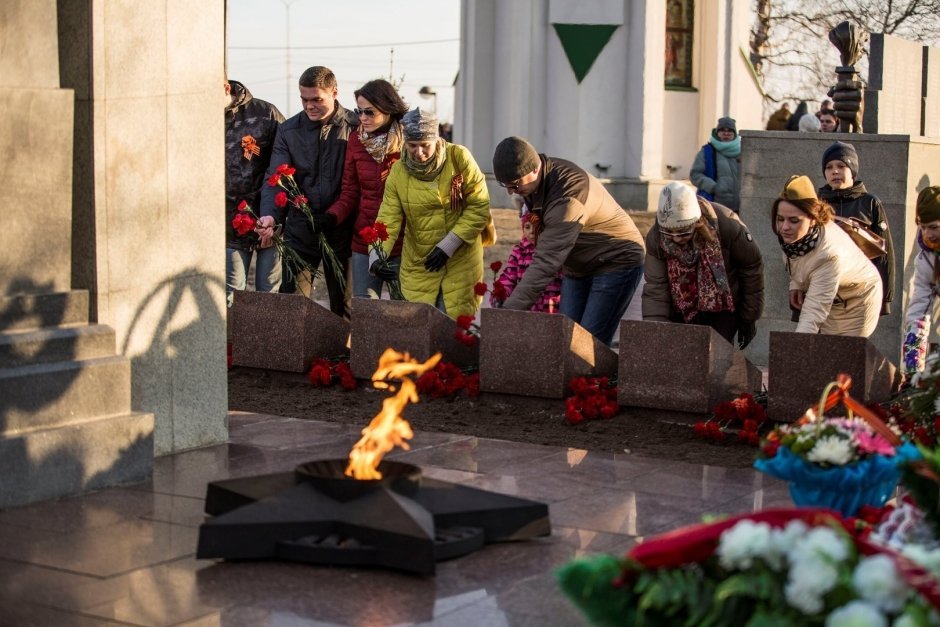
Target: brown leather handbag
(870,243)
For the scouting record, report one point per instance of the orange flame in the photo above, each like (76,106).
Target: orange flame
(388,429)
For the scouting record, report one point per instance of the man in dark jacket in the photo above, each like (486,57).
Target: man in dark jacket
(250,128)
(314,143)
(850,199)
(585,234)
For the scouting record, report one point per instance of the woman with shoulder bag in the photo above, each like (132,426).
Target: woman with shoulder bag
(834,286)
(436,194)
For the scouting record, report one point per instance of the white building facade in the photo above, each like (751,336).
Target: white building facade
(627,89)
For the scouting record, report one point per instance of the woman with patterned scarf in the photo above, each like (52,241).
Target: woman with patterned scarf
(702,267)
(834,286)
(370,155)
(436,195)
(925,284)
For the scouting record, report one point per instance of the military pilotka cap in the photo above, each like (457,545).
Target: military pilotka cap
(798,187)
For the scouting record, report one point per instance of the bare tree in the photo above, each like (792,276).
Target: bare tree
(791,52)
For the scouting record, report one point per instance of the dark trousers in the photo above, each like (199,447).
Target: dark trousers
(336,291)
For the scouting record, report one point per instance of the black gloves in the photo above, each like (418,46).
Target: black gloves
(435,260)
(383,272)
(324,221)
(747,329)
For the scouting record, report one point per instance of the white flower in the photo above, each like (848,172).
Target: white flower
(803,597)
(747,540)
(819,575)
(831,450)
(857,614)
(876,579)
(820,542)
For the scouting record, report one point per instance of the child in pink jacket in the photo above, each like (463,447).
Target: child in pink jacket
(519,260)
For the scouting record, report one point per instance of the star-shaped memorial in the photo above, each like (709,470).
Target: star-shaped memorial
(403,521)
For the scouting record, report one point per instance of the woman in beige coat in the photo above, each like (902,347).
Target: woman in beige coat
(834,286)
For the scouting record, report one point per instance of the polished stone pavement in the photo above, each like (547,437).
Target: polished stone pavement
(127,555)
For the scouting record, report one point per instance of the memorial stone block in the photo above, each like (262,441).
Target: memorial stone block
(893,97)
(536,354)
(802,364)
(419,329)
(681,367)
(284,331)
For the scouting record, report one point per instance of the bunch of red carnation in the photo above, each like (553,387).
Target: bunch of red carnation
(467,331)
(922,428)
(593,398)
(447,380)
(499,290)
(745,414)
(324,373)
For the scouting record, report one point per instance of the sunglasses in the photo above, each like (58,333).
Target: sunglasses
(512,187)
(369,113)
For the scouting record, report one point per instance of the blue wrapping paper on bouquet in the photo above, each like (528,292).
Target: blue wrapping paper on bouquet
(841,488)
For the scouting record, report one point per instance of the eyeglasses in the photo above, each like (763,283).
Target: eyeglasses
(369,113)
(512,187)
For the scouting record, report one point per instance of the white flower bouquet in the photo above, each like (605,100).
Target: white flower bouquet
(778,567)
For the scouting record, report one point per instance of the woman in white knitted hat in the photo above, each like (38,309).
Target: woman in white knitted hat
(702,267)
(833,285)
(437,194)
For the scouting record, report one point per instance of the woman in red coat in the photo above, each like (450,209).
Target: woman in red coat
(369,157)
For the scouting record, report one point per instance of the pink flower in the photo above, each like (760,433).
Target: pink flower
(873,443)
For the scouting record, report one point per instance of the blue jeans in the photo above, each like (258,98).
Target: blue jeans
(598,302)
(267,270)
(362,281)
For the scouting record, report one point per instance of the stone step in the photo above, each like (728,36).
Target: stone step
(37,311)
(22,348)
(65,460)
(42,396)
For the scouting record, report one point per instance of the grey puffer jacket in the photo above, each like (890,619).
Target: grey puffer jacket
(249,122)
(727,187)
(318,151)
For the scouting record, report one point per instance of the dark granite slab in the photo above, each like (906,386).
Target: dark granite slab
(682,367)
(802,364)
(537,354)
(284,331)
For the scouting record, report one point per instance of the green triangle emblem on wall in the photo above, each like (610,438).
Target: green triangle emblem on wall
(583,43)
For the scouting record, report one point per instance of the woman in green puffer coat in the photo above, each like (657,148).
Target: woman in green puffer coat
(438,195)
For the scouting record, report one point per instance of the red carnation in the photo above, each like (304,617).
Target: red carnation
(368,235)
(465,321)
(285,169)
(381,230)
(299,200)
(243,223)
(500,293)
(479,289)
(609,410)
(496,265)
(243,205)
(280,200)
(473,385)
(770,448)
(274,179)
(573,416)
(700,429)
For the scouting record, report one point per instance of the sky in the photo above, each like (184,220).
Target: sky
(416,40)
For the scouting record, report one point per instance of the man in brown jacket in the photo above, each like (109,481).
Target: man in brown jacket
(585,234)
